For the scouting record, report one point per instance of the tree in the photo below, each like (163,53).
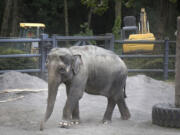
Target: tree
(6,17)
(66,18)
(95,7)
(118,15)
(14,31)
(9,26)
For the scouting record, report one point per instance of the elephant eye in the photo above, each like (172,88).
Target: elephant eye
(61,70)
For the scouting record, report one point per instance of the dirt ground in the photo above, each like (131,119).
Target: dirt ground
(23,116)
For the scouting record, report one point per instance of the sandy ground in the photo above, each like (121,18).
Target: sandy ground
(23,116)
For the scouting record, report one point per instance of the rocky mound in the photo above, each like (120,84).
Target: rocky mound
(17,80)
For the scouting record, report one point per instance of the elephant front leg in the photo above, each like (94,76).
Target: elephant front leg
(70,113)
(75,115)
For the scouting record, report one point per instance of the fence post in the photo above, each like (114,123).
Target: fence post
(54,41)
(112,42)
(107,42)
(43,54)
(177,75)
(166,58)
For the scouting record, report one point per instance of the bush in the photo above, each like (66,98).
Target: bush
(150,63)
(16,63)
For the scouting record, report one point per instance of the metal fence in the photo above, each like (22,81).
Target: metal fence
(45,43)
(165,56)
(20,40)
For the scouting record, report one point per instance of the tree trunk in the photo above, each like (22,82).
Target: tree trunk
(66,18)
(118,8)
(6,16)
(89,17)
(14,31)
(118,20)
(163,15)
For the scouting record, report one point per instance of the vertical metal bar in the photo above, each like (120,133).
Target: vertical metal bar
(40,58)
(177,76)
(54,41)
(43,54)
(107,42)
(112,43)
(166,56)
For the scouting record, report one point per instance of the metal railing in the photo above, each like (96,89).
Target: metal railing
(108,38)
(20,40)
(166,55)
(45,41)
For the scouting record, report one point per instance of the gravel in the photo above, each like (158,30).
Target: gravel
(22,117)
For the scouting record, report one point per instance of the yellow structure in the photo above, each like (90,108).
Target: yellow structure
(31,30)
(144,34)
(32,25)
(127,48)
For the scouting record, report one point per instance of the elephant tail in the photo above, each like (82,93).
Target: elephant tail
(125,79)
(125,96)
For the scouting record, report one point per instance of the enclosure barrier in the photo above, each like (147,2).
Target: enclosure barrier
(166,55)
(108,38)
(45,42)
(20,40)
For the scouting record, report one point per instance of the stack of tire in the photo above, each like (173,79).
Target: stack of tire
(166,115)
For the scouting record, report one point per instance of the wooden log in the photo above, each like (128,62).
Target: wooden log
(177,75)
(21,90)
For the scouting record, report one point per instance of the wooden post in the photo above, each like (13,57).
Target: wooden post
(177,76)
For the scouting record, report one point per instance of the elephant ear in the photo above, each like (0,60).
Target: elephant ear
(77,62)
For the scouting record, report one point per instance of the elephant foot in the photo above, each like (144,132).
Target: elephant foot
(65,124)
(126,116)
(68,124)
(105,122)
(75,122)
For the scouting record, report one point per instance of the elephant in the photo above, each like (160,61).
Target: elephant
(89,69)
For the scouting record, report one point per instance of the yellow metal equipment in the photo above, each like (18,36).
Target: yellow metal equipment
(144,34)
(32,30)
(127,48)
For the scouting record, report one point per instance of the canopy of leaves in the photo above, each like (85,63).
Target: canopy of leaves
(98,6)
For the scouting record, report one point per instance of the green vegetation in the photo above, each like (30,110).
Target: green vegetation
(16,63)
(117,27)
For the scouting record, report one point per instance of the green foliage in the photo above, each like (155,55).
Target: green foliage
(117,27)
(129,3)
(149,63)
(98,6)
(85,30)
(16,63)
(173,1)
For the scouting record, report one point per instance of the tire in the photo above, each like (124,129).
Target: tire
(166,115)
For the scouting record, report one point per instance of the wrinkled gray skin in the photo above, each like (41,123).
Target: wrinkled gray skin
(88,69)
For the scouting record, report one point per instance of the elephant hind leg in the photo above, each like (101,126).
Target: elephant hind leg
(125,114)
(109,110)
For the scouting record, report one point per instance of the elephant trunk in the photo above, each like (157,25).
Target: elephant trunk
(52,92)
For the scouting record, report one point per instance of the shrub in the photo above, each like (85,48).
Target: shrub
(16,63)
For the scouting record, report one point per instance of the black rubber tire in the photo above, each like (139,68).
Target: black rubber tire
(166,115)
